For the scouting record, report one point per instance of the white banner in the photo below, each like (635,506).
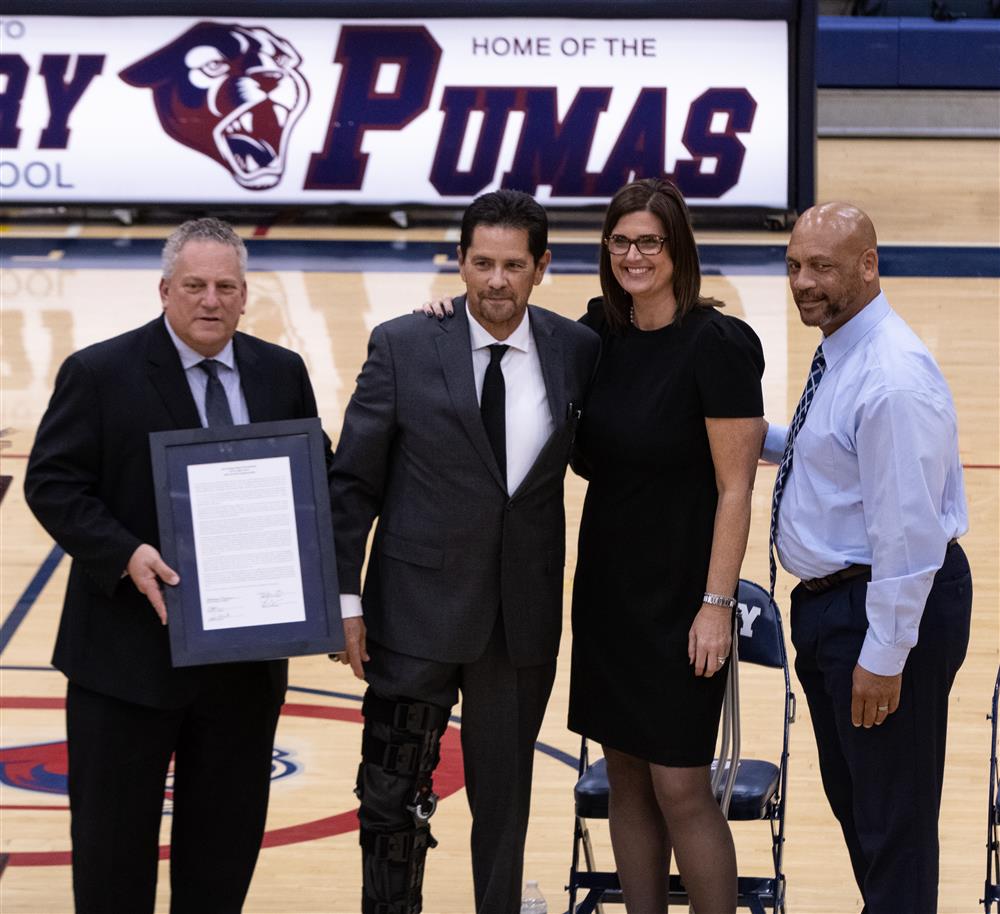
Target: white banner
(299,111)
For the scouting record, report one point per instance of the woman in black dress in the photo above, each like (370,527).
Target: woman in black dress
(669,441)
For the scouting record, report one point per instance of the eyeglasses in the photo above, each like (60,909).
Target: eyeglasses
(644,244)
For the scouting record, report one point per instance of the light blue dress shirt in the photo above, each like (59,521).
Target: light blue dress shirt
(876,477)
(197,380)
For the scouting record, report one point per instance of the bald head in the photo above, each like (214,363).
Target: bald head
(840,223)
(832,263)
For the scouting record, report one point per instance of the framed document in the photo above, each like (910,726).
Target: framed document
(244,517)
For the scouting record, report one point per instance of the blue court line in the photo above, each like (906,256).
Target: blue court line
(16,616)
(346,696)
(344,256)
(544,748)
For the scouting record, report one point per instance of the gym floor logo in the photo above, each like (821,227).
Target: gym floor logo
(41,768)
(230,92)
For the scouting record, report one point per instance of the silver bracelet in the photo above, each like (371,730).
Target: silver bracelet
(717,599)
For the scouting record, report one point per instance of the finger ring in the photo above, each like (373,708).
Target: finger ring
(882,708)
(721,660)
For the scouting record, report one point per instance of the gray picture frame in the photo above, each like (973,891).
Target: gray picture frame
(301,440)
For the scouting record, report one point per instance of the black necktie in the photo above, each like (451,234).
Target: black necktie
(493,408)
(217,414)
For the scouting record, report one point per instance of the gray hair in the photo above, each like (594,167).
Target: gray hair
(206,229)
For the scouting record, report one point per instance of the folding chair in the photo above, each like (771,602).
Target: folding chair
(992,888)
(747,789)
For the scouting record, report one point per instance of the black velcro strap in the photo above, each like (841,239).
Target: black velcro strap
(395,847)
(369,906)
(411,716)
(395,758)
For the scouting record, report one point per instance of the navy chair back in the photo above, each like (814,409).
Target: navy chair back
(760,636)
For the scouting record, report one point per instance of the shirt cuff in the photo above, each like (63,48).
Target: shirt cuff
(774,442)
(881,659)
(350,606)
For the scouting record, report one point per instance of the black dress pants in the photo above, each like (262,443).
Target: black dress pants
(884,783)
(502,711)
(119,755)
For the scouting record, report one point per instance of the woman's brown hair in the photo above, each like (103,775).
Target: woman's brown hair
(660,197)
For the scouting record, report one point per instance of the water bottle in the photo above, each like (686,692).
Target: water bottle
(533,901)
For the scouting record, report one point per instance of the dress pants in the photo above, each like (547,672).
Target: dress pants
(884,783)
(119,755)
(502,711)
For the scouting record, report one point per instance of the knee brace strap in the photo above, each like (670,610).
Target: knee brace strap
(389,907)
(395,758)
(397,847)
(416,717)
(393,867)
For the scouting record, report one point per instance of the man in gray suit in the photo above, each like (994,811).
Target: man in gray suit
(457,438)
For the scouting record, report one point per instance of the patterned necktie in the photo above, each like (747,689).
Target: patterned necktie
(785,467)
(217,414)
(492,406)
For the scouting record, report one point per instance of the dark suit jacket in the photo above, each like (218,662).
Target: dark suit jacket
(89,482)
(451,548)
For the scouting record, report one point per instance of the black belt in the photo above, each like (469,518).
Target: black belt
(822,585)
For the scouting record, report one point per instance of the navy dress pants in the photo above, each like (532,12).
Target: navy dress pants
(884,783)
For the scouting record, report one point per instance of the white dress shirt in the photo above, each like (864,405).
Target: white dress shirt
(876,477)
(526,408)
(529,420)
(197,380)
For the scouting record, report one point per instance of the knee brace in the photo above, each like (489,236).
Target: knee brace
(400,749)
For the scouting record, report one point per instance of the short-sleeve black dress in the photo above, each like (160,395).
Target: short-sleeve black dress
(646,531)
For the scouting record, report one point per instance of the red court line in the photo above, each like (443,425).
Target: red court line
(20,701)
(449,778)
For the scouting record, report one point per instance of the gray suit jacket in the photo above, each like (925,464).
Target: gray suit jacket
(451,549)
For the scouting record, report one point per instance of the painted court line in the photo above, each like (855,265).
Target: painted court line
(16,616)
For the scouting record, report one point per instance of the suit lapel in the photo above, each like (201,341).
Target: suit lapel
(257,390)
(166,374)
(550,356)
(455,352)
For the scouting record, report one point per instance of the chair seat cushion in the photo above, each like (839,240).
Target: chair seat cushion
(756,783)
(591,792)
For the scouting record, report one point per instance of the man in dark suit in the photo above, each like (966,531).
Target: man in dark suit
(89,481)
(457,439)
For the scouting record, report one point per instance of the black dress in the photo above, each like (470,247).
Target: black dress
(646,532)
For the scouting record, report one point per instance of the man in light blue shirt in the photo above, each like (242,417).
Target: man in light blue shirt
(869,503)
